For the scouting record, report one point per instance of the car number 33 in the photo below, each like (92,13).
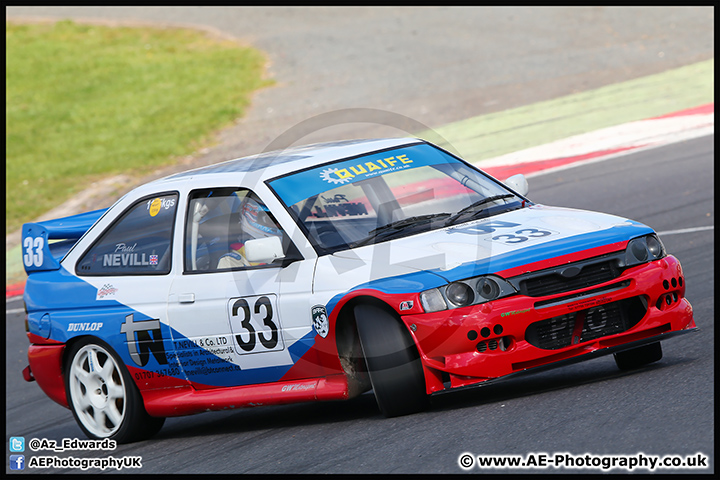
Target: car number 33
(254,324)
(33,251)
(505,232)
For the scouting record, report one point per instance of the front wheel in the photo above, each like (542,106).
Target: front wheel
(638,357)
(105,401)
(392,360)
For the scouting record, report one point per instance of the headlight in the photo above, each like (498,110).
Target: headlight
(655,247)
(471,291)
(488,288)
(644,249)
(459,294)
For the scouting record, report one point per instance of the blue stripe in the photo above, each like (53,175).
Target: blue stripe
(410,282)
(419,281)
(545,251)
(74,301)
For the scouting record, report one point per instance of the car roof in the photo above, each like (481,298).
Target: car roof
(279,162)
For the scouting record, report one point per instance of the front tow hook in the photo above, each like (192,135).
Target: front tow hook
(27,374)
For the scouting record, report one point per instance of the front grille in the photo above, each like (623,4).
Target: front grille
(603,321)
(600,321)
(553,333)
(567,278)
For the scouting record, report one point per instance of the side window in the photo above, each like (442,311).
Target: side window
(137,243)
(219,222)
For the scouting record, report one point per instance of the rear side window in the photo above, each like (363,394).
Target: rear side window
(138,243)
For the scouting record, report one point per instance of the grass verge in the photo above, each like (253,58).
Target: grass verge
(87,101)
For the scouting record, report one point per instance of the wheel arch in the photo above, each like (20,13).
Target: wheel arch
(69,347)
(135,423)
(347,341)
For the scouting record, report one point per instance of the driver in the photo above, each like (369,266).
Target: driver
(255,222)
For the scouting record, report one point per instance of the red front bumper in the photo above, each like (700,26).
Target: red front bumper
(491,340)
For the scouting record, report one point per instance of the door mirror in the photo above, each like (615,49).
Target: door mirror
(518,183)
(263,250)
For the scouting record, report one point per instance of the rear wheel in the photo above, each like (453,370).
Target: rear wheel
(105,401)
(638,357)
(392,360)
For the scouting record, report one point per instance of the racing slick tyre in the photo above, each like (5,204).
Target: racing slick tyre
(638,357)
(392,360)
(104,400)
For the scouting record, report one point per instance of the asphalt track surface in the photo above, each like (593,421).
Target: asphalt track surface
(591,407)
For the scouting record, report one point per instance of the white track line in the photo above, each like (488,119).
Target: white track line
(611,156)
(687,230)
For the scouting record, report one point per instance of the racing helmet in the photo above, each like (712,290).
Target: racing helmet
(255,220)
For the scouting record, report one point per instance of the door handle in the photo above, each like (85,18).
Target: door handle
(186,298)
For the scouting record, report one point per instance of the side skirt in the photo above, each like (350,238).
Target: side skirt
(186,400)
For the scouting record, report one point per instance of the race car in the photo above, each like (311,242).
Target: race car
(321,272)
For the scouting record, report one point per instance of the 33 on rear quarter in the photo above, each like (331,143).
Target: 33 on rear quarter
(320,272)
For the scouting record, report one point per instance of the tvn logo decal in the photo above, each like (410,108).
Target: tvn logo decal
(140,341)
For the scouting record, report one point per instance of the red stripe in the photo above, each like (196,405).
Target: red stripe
(701,110)
(14,289)
(505,171)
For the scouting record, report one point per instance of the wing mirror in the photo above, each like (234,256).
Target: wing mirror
(518,183)
(263,250)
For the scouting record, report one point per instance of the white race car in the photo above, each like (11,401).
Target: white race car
(320,272)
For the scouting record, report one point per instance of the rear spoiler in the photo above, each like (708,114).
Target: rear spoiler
(44,244)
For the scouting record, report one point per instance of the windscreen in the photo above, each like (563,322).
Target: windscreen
(388,194)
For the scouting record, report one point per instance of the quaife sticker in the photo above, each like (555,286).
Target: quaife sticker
(365,169)
(320,320)
(306,183)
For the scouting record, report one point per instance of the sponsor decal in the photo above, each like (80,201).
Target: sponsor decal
(337,198)
(320,320)
(124,248)
(302,185)
(140,343)
(125,260)
(154,206)
(297,386)
(583,304)
(339,205)
(339,176)
(106,292)
(407,305)
(84,327)
(341,209)
(514,312)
